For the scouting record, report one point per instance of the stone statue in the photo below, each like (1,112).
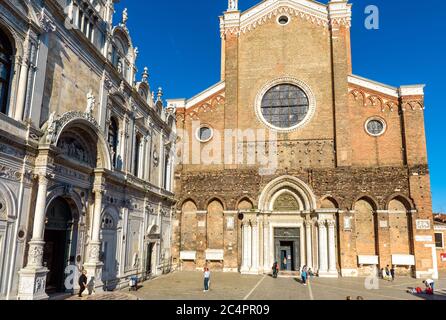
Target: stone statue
(120,65)
(91,102)
(49,128)
(125,16)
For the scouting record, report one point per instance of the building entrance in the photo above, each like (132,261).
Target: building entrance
(287,248)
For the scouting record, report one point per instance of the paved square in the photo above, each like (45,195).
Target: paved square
(234,286)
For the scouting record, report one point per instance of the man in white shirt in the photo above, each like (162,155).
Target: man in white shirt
(430,284)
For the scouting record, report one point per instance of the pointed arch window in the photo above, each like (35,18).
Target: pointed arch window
(5,71)
(113,132)
(136,168)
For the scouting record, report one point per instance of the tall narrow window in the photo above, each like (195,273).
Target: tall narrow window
(166,172)
(113,139)
(137,153)
(5,71)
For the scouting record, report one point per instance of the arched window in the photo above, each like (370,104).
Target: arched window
(5,70)
(113,139)
(137,154)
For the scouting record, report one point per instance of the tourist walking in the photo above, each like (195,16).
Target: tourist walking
(82,282)
(207,279)
(275,269)
(392,273)
(387,273)
(304,275)
(284,264)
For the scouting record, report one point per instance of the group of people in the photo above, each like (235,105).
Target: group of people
(429,284)
(388,273)
(305,273)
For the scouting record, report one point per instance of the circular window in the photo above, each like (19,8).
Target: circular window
(204,134)
(285,104)
(375,127)
(283,20)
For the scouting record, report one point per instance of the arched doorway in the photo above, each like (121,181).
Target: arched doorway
(60,243)
(153,241)
(109,242)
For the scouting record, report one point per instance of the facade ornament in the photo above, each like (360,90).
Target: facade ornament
(122,87)
(108,84)
(119,67)
(159,94)
(94,252)
(136,52)
(46,23)
(91,102)
(125,17)
(54,129)
(156,158)
(145,75)
(35,255)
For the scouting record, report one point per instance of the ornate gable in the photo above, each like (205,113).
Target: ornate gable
(234,22)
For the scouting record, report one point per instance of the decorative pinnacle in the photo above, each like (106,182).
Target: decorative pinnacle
(145,75)
(160,94)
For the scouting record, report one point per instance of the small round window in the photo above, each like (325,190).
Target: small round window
(204,134)
(375,127)
(283,20)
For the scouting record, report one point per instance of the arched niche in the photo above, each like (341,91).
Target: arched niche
(399,226)
(215,224)
(189,226)
(365,227)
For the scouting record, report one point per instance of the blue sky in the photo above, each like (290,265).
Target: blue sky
(180,43)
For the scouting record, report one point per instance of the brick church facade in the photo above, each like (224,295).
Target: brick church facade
(350,185)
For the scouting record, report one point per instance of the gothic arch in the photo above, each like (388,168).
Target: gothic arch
(329,202)
(293,184)
(374,203)
(122,36)
(153,229)
(113,212)
(402,198)
(73,199)
(245,199)
(216,198)
(9,201)
(89,126)
(15,40)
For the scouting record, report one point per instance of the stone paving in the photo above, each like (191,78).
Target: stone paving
(234,286)
(117,295)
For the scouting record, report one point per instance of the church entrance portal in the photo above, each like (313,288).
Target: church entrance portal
(287,248)
(60,246)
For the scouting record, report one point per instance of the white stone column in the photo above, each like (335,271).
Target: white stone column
(309,240)
(332,248)
(32,279)
(245,267)
(249,246)
(255,247)
(267,265)
(23,80)
(93,264)
(323,252)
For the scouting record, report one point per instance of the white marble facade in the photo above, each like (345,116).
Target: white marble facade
(86,152)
